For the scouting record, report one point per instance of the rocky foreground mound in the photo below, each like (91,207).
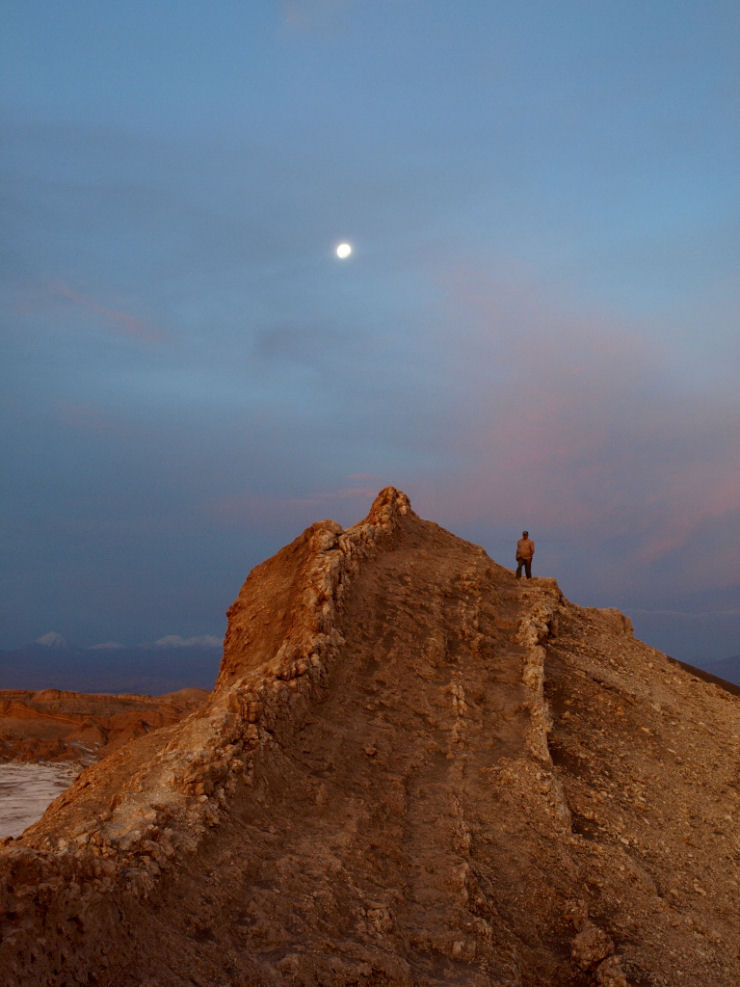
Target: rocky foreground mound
(413,770)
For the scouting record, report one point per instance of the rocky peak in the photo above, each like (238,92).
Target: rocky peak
(413,769)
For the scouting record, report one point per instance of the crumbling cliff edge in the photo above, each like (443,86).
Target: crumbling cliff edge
(412,770)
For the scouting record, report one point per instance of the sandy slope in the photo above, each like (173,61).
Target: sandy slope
(412,770)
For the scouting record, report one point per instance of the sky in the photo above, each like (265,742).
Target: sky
(537,327)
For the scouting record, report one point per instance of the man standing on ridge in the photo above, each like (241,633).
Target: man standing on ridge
(524,554)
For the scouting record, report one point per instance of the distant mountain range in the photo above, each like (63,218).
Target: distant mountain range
(166,666)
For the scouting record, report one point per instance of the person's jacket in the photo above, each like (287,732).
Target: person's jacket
(524,548)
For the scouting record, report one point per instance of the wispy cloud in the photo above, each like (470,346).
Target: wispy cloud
(341,493)
(573,423)
(313,14)
(277,510)
(120,322)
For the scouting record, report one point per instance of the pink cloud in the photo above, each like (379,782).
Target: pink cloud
(121,322)
(573,423)
(698,499)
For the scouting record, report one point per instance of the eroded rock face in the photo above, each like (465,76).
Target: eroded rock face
(412,770)
(53,725)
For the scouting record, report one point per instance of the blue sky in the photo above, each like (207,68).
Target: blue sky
(538,326)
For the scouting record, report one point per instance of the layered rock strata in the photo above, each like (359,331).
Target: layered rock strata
(413,770)
(53,725)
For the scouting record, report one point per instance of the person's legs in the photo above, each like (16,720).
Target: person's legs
(520,563)
(528,568)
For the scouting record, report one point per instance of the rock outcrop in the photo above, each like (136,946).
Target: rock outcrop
(53,725)
(413,770)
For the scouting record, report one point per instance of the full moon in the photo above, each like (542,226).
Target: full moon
(343,250)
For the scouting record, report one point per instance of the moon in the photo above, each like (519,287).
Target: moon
(343,250)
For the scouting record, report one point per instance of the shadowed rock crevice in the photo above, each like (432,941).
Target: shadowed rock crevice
(413,769)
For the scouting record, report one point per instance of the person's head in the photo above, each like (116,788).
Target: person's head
(525,534)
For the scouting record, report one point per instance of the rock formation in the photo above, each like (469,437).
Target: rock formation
(71,726)
(413,770)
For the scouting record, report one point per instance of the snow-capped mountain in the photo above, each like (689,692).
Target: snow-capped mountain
(171,663)
(54,640)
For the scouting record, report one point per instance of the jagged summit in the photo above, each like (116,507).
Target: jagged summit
(412,770)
